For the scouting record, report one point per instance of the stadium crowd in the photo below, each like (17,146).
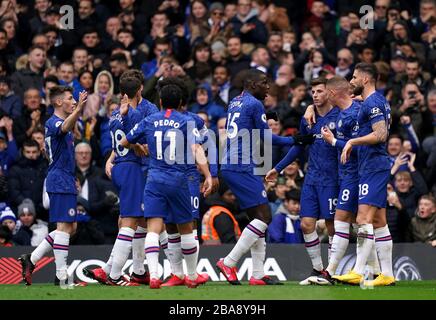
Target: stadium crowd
(207,44)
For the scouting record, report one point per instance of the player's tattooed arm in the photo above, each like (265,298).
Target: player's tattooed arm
(380,131)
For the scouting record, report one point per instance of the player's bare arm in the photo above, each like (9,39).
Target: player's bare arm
(70,121)
(203,165)
(378,135)
(271,176)
(109,164)
(309,115)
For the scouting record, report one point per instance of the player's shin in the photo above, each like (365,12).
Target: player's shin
(60,249)
(258,251)
(43,248)
(365,243)
(138,253)
(189,250)
(339,245)
(152,253)
(313,248)
(122,248)
(108,265)
(174,254)
(248,237)
(383,245)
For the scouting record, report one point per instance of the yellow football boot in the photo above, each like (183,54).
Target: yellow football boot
(349,278)
(380,281)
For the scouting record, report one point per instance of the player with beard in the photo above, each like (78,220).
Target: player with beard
(373,120)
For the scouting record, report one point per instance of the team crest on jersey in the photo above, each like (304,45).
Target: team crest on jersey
(264,193)
(332,125)
(340,123)
(142,206)
(356,127)
(72,212)
(57,124)
(264,117)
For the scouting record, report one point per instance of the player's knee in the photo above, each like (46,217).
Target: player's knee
(307,226)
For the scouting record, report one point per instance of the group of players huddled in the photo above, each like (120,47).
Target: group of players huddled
(348,170)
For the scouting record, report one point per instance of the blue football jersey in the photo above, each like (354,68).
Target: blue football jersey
(322,169)
(169,145)
(372,157)
(59,147)
(245,113)
(119,126)
(202,129)
(146,108)
(345,130)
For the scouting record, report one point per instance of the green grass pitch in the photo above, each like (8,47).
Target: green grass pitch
(404,290)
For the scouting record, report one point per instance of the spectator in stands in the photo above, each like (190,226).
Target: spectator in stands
(219,29)
(26,178)
(291,110)
(423,224)
(118,64)
(397,217)
(201,55)
(410,186)
(220,224)
(10,104)
(85,171)
(221,77)
(32,75)
(276,195)
(162,48)
(103,89)
(412,104)
(5,237)
(8,147)
(66,76)
(313,68)
(205,102)
(6,51)
(39,136)
(113,24)
(81,60)
(38,20)
(247,26)
(345,61)
(86,81)
(294,175)
(196,24)
(19,236)
(88,230)
(285,226)
(284,76)
(236,61)
(260,60)
(33,116)
(36,228)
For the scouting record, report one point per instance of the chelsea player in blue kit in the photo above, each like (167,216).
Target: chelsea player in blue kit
(174,249)
(246,115)
(60,182)
(320,189)
(338,89)
(128,179)
(373,121)
(167,191)
(139,275)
